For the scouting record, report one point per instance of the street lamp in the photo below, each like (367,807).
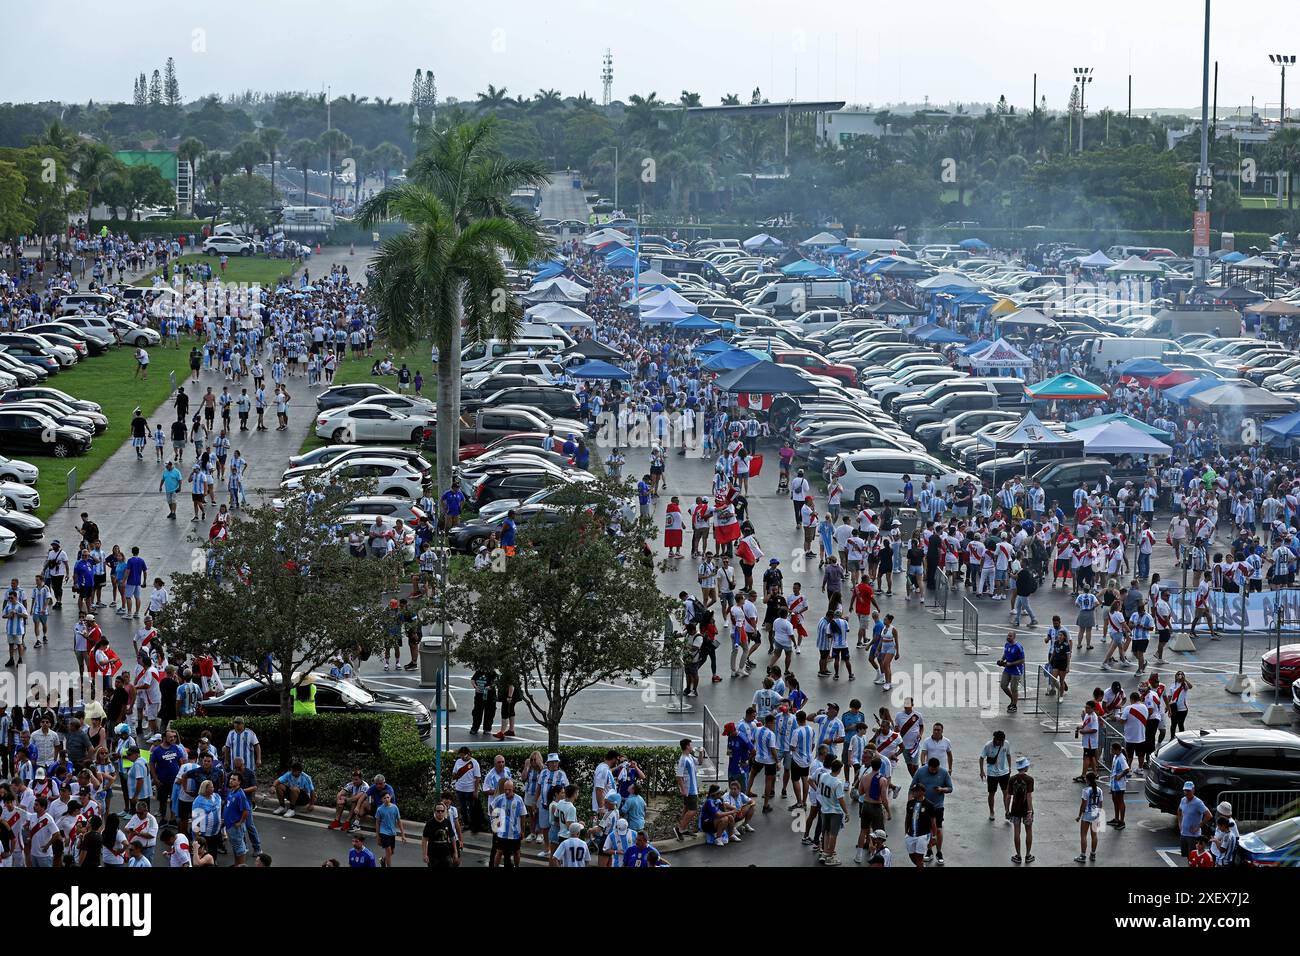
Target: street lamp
(1082,76)
(1281,60)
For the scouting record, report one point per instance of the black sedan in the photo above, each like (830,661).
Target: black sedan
(340,395)
(26,432)
(252,697)
(28,528)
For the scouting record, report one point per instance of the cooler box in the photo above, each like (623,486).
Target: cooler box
(755,465)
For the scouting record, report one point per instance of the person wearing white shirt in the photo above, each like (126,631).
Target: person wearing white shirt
(572,852)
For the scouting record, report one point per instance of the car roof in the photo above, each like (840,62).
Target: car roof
(1253,735)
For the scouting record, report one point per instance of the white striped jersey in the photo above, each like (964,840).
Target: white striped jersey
(830,630)
(802,745)
(241,745)
(764,744)
(686,769)
(617,844)
(829,729)
(549,779)
(785,728)
(41,598)
(507,816)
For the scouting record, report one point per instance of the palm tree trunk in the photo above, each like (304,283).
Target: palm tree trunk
(449,400)
(274,194)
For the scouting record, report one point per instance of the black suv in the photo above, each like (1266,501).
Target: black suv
(1221,760)
(1060,478)
(557,401)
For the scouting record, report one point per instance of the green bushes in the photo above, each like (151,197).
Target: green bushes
(155,229)
(330,745)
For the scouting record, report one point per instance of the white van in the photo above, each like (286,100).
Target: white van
(892,246)
(1119,350)
(84,302)
(478,354)
(790,298)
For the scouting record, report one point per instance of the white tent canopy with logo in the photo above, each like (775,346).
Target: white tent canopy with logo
(566,316)
(1001,354)
(1030,433)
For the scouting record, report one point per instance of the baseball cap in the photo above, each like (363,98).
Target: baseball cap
(1189,786)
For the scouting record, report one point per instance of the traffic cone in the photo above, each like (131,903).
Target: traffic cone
(318,248)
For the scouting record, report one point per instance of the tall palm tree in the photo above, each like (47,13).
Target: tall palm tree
(385,158)
(302,152)
(493,99)
(335,143)
(271,138)
(1282,153)
(247,154)
(444,277)
(93,164)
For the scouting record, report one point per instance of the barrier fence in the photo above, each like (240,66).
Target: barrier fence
(940,593)
(1109,733)
(1262,806)
(970,627)
(711,742)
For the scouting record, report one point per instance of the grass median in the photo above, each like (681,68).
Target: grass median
(266,272)
(108,379)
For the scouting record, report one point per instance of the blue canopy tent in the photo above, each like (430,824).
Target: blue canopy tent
(549,271)
(880,263)
(806,267)
(663,313)
(973,244)
(1182,394)
(713,347)
(595,368)
(1233,256)
(621,258)
(1282,431)
(979,345)
(1145,368)
(765,378)
(697,323)
(840,250)
(857,255)
(730,360)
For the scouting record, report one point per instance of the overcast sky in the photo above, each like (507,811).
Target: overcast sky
(864,52)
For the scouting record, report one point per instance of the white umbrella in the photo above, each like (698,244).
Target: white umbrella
(1119,438)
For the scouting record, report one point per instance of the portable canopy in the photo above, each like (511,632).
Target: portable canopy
(1120,438)
(1030,433)
(1274,307)
(565,316)
(731,359)
(1182,394)
(837,250)
(1004,307)
(948,280)
(1098,260)
(822,239)
(1027,319)
(591,349)
(697,323)
(973,244)
(595,368)
(1176,377)
(604,236)
(1135,266)
(1001,354)
(1243,397)
(667,312)
(904,269)
(765,378)
(558,289)
(713,347)
(763,242)
(1236,295)
(653,297)
(621,258)
(1282,431)
(1086,423)
(549,271)
(938,335)
(1144,368)
(806,267)
(895,307)
(1233,257)
(1063,387)
(975,347)
(1256,262)
(654,277)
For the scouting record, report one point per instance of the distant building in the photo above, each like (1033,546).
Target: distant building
(170,167)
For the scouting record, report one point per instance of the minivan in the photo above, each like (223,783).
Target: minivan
(788,298)
(490,350)
(877,475)
(78,301)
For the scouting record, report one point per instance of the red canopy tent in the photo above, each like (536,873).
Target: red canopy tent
(1170,379)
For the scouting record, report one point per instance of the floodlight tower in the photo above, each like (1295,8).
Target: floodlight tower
(606,78)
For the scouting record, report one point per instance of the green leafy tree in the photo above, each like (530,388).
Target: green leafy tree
(282,587)
(250,199)
(334,143)
(1282,154)
(15,218)
(272,139)
(443,278)
(93,165)
(303,151)
(247,154)
(385,158)
(574,607)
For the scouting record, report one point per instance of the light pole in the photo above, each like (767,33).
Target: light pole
(1201,253)
(1082,76)
(1281,60)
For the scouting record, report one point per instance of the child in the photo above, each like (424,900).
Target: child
(159,440)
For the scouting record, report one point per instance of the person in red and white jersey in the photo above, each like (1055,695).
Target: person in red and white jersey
(1164,615)
(146,693)
(673,527)
(39,836)
(798,607)
(1061,568)
(177,848)
(910,725)
(1134,715)
(1088,732)
(1201,607)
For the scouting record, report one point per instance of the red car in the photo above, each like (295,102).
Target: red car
(518,438)
(846,375)
(1290,670)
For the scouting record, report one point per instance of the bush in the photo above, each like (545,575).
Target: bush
(156,229)
(330,745)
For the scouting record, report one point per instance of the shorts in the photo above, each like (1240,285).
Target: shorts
(171,497)
(831,822)
(691,802)
(1140,647)
(543,818)
(864,621)
(199,497)
(1000,576)
(797,772)
(840,653)
(1089,751)
(42,620)
(936,817)
(999,783)
(131,590)
(99,580)
(916,846)
(238,839)
(387,841)
(506,847)
(872,816)
(1163,636)
(769,769)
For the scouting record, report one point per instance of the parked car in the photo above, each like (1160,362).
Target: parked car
(40,393)
(33,355)
(16,496)
(34,433)
(467,536)
(253,697)
(27,528)
(1289,669)
(362,423)
(384,475)
(1251,758)
(553,400)
(336,396)
(227,245)
(870,477)
(1277,844)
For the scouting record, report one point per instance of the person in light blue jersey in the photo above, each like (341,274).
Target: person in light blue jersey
(507,812)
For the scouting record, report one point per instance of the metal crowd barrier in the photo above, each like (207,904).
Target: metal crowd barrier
(970,627)
(711,743)
(1262,806)
(940,592)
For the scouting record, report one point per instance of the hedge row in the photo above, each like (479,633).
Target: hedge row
(330,745)
(154,229)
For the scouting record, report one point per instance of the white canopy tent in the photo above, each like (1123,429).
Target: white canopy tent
(565,316)
(822,239)
(1119,438)
(602,236)
(1135,266)
(1001,354)
(949,280)
(654,297)
(665,312)
(572,290)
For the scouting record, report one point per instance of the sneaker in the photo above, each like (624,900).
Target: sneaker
(858,855)
(290,812)
(717,678)
(807,841)
(938,858)
(279,811)
(734,838)
(749,829)
(832,860)
(1029,858)
(677,832)
(1017,859)
(887,685)
(385,667)
(335,825)
(354,826)
(1011,708)
(1080,859)
(880,679)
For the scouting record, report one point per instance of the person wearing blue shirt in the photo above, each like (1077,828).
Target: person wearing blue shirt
(634,809)
(507,812)
(375,793)
(643,496)
(508,534)
(360,856)
(1012,663)
(235,816)
(388,826)
(294,788)
(1193,815)
(135,572)
(453,499)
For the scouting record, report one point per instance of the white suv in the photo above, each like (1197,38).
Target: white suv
(876,475)
(227,245)
(383,476)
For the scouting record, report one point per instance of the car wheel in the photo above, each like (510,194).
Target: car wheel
(61,450)
(210,252)
(141,342)
(340,436)
(868,496)
(245,252)
(417,436)
(11,505)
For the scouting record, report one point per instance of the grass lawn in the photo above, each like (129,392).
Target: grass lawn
(351,371)
(107,380)
(250,269)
